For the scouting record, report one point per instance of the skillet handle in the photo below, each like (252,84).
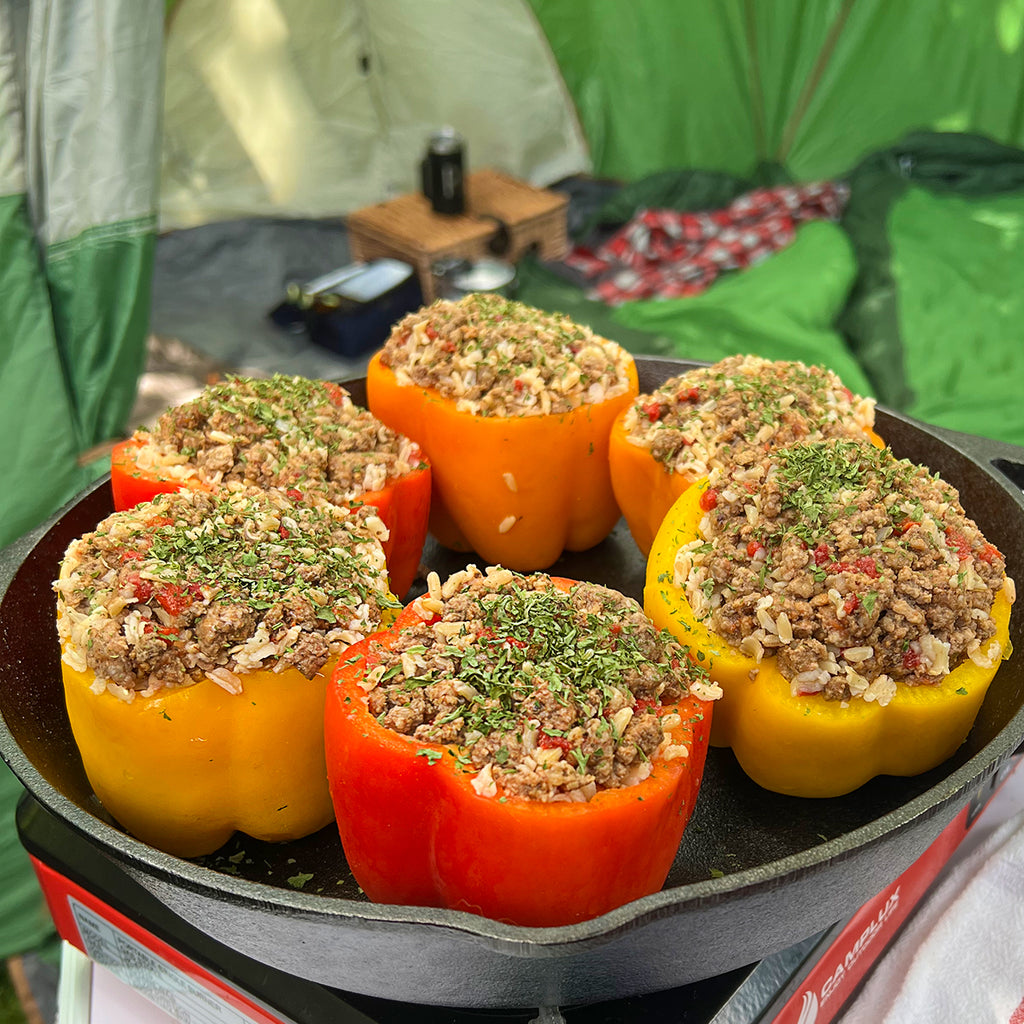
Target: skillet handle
(1003,456)
(1006,458)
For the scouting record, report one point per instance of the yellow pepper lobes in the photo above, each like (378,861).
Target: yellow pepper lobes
(805,745)
(228,612)
(518,490)
(185,768)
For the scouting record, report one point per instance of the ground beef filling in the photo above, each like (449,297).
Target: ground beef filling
(857,570)
(736,408)
(285,432)
(197,585)
(549,694)
(496,357)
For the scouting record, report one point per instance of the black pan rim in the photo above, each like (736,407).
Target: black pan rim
(954,789)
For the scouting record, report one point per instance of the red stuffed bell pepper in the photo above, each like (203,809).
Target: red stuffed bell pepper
(304,436)
(525,748)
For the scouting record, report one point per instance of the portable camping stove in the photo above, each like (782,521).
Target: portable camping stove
(101,910)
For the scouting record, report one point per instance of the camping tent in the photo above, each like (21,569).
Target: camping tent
(119,120)
(124,119)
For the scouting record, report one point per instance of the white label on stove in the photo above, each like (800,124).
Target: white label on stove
(139,967)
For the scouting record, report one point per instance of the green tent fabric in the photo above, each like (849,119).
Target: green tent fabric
(78,179)
(933,318)
(78,192)
(809,84)
(45,461)
(783,308)
(958,265)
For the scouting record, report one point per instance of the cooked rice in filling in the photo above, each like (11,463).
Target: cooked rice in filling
(857,570)
(287,432)
(548,695)
(733,410)
(496,357)
(197,585)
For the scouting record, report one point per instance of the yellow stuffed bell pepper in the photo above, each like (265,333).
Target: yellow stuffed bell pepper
(802,744)
(518,488)
(666,440)
(186,768)
(198,634)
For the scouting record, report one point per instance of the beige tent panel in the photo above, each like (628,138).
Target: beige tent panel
(312,108)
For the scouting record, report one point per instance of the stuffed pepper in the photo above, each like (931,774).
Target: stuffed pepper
(731,411)
(521,747)
(304,436)
(513,407)
(198,635)
(851,611)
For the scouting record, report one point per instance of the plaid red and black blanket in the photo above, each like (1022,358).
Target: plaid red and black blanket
(667,254)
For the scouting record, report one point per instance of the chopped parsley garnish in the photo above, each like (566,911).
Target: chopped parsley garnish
(539,670)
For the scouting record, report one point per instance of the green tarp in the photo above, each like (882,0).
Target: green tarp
(959,271)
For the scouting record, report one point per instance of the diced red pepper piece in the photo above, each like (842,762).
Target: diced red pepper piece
(653,411)
(911,660)
(336,394)
(544,740)
(174,598)
(143,588)
(867,565)
(958,542)
(989,553)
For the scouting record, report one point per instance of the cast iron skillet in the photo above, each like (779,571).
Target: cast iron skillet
(755,872)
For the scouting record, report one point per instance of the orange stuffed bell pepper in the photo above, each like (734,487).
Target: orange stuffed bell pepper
(304,436)
(821,586)
(513,408)
(729,411)
(520,747)
(198,634)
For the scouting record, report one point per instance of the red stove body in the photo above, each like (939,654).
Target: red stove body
(119,925)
